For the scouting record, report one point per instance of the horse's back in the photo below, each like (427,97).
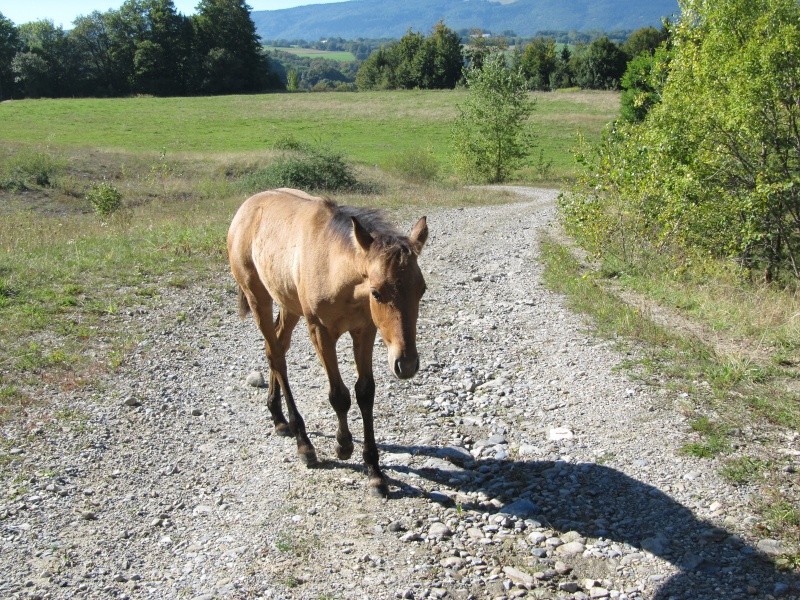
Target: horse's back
(270,238)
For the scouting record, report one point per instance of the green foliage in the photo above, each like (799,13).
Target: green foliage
(538,63)
(713,170)
(9,46)
(143,47)
(642,83)
(645,40)
(491,137)
(27,168)
(416,61)
(418,165)
(104,198)
(307,168)
(600,65)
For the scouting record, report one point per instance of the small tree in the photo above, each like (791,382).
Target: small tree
(490,136)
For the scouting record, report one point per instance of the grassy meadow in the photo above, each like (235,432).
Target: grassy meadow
(371,128)
(338,56)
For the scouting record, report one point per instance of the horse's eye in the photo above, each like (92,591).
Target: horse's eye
(377,295)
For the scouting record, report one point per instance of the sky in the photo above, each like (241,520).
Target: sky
(63,12)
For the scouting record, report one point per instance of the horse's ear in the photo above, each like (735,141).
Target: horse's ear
(419,235)
(361,235)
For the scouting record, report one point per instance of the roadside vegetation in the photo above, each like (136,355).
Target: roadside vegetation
(687,217)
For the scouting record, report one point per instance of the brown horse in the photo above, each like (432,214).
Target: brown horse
(345,270)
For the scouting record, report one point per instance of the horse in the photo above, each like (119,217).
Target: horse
(345,270)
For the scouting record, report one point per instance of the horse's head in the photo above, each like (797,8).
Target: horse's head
(396,287)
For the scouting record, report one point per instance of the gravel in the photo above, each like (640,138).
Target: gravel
(523,463)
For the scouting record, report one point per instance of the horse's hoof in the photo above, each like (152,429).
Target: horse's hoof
(282,429)
(378,488)
(308,458)
(344,452)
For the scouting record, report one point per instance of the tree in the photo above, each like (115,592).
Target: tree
(643,83)
(161,56)
(9,46)
(48,65)
(538,62)
(713,170)
(645,39)
(600,65)
(102,73)
(562,76)
(448,59)
(415,61)
(490,135)
(228,48)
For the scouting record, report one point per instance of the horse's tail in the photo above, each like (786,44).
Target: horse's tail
(244,305)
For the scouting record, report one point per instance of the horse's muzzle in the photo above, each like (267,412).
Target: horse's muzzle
(406,367)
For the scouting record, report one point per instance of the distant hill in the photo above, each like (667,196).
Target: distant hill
(393,18)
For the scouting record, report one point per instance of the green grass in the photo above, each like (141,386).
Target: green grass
(71,279)
(335,55)
(367,127)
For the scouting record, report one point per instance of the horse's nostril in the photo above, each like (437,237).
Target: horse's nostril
(405,368)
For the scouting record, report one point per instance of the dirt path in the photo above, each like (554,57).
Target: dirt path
(523,463)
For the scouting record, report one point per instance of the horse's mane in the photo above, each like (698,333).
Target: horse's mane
(386,237)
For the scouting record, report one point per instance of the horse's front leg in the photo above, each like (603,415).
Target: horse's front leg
(363,343)
(338,394)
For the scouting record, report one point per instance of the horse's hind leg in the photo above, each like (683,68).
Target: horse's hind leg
(284,325)
(261,303)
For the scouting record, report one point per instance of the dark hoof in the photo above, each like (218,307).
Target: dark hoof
(378,488)
(282,429)
(308,457)
(344,452)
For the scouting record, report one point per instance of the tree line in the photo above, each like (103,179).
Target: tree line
(438,60)
(144,47)
(147,47)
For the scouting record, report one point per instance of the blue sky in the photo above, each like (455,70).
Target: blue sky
(63,12)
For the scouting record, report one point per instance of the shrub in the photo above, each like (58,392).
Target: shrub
(27,168)
(711,170)
(104,198)
(418,165)
(309,169)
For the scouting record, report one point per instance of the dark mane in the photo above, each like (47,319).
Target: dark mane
(373,220)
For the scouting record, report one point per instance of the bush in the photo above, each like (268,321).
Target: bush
(418,165)
(104,198)
(27,168)
(711,170)
(308,169)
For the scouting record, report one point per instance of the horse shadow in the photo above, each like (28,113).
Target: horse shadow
(598,501)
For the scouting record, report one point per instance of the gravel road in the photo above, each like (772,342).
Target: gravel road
(523,463)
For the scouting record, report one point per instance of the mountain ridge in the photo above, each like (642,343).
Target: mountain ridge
(377,19)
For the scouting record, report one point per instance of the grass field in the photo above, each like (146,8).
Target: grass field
(338,56)
(368,128)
